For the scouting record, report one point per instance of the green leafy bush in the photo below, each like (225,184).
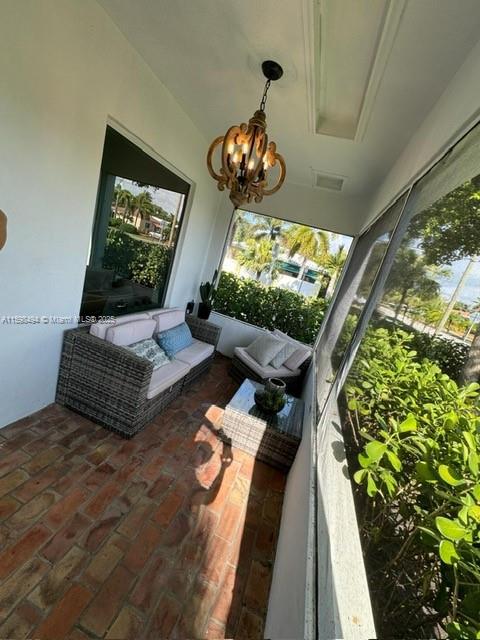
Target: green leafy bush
(114,222)
(269,307)
(450,356)
(418,436)
(126,227)
(144,262)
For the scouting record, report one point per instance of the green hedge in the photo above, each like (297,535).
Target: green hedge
(144,262)
(418,437)
(450,355)
(269,307)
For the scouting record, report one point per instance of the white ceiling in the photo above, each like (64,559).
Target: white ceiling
(363,73)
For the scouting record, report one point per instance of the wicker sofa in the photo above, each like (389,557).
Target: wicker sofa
(120,390)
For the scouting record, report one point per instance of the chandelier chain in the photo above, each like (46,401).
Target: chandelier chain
(264,97)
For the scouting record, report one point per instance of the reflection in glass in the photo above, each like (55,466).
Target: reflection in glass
(136,231)
(354,290)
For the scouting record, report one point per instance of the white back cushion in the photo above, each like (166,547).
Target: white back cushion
(99,329)
(131,332)
(168,318)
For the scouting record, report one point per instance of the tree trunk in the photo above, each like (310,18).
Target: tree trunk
(301,273)
(400,304)
(332,284)
(454,298)
(471,370)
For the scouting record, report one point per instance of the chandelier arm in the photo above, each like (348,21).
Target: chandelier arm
(211,150)
(230,136)
(283,172)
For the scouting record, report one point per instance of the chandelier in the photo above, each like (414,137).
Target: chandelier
(247,157)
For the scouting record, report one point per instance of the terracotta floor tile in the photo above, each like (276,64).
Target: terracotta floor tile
(168,535)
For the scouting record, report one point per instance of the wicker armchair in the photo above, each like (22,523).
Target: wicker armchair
(109,384)
(239,371)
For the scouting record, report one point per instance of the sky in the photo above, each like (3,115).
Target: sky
(168,200)
(471,291)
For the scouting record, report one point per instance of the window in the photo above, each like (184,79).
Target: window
(140,208)
(410,409)
(279,274)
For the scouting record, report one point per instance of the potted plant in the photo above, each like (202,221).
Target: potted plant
(207,294)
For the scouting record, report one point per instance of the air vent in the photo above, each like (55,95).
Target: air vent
(325,181)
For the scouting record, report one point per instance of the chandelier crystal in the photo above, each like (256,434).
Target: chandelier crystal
(246,155)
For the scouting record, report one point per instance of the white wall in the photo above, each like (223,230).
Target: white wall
(455,111)
(289,594)
(65,69)
(235,333)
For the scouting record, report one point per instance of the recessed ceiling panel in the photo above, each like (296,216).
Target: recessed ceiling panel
(347,39)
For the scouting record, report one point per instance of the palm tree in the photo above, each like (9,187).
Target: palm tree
(116,194)
(256,256)
(266,227)
(334,264)
(124,199)
(311,244)
(142,206)
(272,229)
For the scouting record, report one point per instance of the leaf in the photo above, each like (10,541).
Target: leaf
(446,474)
(476,492)
(371,486)
(473,463)
(375,450)
(359,475)
(409,424)
(352,404)
(448,553)
(364,460)
(389,481)
(451,420)
(472,388)
(394,460)
(450,529)
(425,472)
(470,440)
(463,515)
(474,512)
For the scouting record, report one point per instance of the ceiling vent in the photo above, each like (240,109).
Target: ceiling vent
(326,181)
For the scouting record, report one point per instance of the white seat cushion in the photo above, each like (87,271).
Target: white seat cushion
(164,377)
(195,353)
(99,329)
(267,371)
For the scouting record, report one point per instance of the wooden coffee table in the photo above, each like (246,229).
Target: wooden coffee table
(272,438)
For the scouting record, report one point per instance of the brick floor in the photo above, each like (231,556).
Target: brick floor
(169,535)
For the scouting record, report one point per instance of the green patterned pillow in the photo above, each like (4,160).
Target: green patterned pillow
(150,350)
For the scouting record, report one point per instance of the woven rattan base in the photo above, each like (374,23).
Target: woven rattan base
(274,439)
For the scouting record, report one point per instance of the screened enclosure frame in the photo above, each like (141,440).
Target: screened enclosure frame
(458,164)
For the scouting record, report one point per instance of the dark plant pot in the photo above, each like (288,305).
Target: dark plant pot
(204,310)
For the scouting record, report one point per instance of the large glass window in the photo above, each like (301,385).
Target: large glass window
(139,213)
(411,411)
(354,290)
(279,274)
